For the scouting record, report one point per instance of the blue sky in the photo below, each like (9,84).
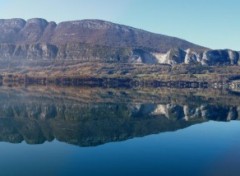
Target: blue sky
(211,23)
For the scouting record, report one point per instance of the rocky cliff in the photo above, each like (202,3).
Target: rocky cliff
(86,52)
(95,32)
(207,57)
(97,40)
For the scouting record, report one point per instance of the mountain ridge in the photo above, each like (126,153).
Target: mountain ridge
(99,40)
(97,32)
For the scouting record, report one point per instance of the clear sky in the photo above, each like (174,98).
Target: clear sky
(211,23)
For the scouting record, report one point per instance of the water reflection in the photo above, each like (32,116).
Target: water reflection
(93,117)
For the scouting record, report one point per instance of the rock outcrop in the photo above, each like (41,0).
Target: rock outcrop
(220,57)
(94,32)
(97,40)
(175,56)
(208,57)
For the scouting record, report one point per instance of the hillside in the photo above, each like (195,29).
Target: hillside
(40,51)
(95,32)
(97,40)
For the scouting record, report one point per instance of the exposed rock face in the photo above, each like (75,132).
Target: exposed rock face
(32,31)
(96,40)
(86,52)
(209,57)
(10,30)
(94,32)
(191,57)
(175,56)
(141,56)
(29,51)
(220,57)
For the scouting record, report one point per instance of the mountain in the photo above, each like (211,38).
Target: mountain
(97,40)
(96,32)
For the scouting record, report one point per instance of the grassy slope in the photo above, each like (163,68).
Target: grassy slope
(57,69)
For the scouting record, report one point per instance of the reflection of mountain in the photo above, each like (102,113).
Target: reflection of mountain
(36,118)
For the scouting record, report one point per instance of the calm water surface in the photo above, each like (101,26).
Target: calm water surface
(117,133)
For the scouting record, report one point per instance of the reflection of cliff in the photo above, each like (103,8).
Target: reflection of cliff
(36,119)
(81,124)
(188,112)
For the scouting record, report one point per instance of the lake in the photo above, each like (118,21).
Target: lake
(94,131)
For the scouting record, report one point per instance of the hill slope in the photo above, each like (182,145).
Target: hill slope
(97,40)
(96,32)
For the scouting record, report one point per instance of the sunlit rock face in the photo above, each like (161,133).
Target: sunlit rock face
(191,57)
(175,56)
(220,57)
(97,40)
(32,31)
(97,32)
(91,39)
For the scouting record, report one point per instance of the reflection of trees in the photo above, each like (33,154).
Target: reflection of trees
(39,119)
